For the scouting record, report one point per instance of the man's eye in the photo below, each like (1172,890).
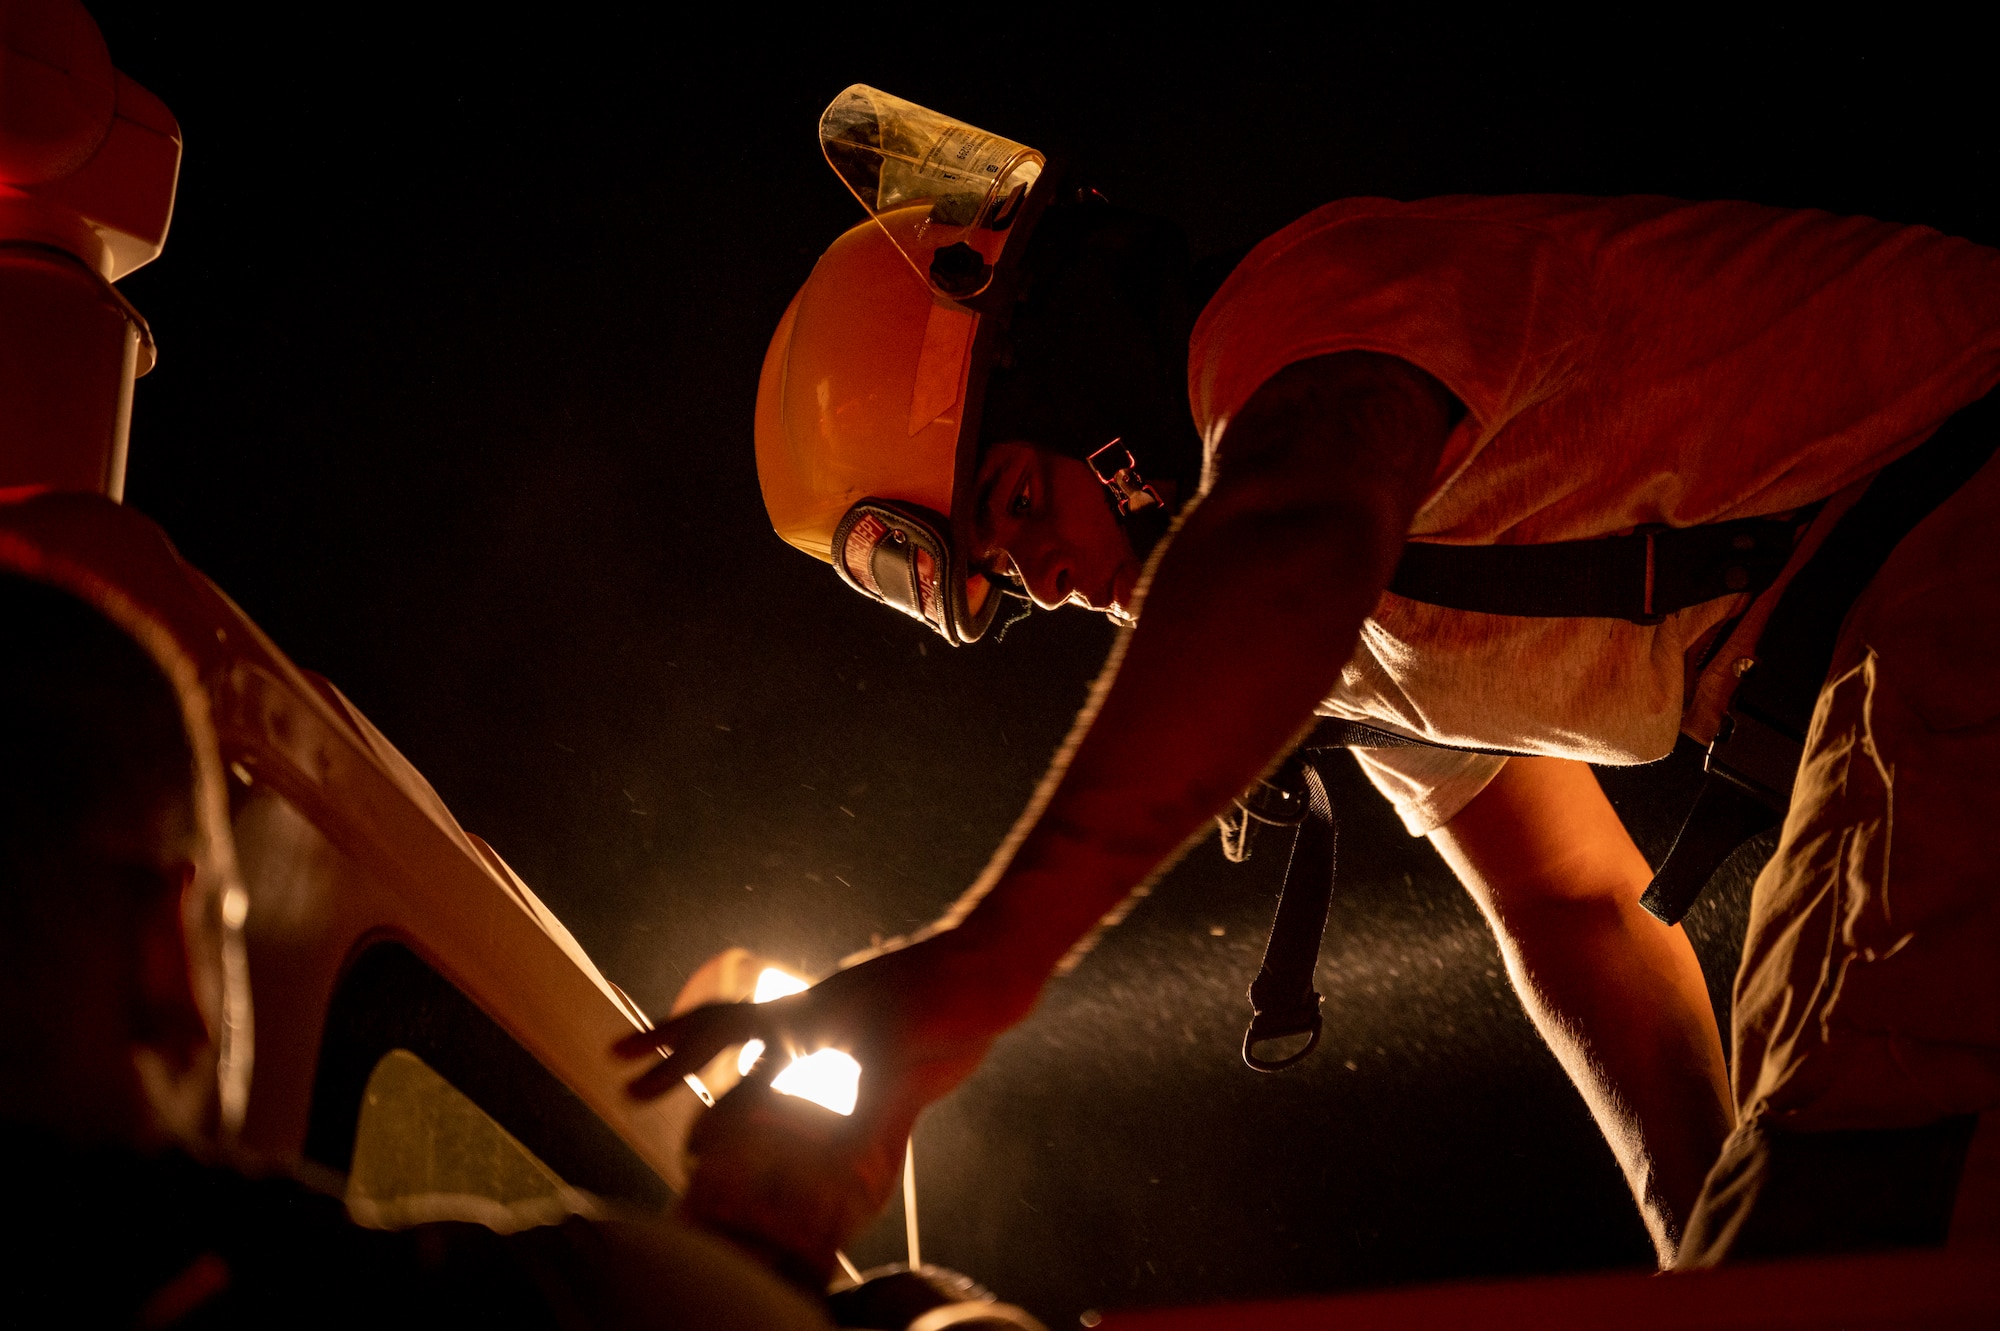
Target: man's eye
(1018,506)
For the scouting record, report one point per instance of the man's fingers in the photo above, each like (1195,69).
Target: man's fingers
(692,1039)
(639,1044)
(694,1024)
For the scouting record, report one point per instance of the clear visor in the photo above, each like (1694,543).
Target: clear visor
(945,192)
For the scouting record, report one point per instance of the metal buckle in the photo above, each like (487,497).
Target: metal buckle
(1270,802)
(1270,1027)
(1757,756)
(1133,494)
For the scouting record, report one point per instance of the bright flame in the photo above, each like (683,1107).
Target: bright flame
(828,1078)
(774,983)
(771,983)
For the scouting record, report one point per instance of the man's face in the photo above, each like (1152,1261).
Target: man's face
(102,980)
(1042,517)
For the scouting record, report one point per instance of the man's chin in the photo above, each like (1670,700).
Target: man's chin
(1124,594)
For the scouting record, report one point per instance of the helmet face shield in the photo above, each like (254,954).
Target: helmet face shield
(869,403)
(946,193)
(902,555)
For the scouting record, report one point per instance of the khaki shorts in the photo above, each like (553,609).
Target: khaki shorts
(1870,990)
(1867,1012)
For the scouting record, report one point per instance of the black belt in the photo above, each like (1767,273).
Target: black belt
(1642,577)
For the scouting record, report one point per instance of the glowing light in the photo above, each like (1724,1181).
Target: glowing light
(771,983)
(774,983)
(829,1078)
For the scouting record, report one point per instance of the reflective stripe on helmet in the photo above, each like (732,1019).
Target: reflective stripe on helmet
(901,555)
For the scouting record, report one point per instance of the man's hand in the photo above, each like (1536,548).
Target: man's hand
(917,1017)
(792,1179)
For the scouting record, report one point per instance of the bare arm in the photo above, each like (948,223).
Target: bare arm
(1254,606)
(1618,995)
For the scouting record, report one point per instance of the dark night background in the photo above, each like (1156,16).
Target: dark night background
(460,325)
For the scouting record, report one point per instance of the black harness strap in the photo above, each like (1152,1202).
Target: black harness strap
(1643,577)
(1284,998)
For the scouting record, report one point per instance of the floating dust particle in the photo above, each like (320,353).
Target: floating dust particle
(1216,931)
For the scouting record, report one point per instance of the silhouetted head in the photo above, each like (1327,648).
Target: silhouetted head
(102,1033)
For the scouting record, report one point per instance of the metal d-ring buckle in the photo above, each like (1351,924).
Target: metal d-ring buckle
(1271,801)
(1279,1027)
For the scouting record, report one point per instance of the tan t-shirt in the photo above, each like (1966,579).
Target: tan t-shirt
(1622,361)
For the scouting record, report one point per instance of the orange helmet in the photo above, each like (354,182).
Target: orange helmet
(868,405)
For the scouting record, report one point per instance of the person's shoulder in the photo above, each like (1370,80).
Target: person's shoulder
(1363,241)
(1468,288)
(1548,212)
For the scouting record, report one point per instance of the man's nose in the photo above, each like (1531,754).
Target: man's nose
(1046,575)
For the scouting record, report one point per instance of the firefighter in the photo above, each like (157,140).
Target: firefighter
(1002,386)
